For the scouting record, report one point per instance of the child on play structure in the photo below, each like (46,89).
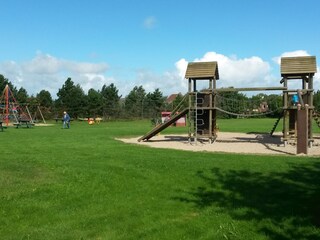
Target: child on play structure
(295,99)
(66,120)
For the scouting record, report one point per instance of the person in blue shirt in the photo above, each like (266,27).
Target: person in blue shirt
(66,120)
(295,99)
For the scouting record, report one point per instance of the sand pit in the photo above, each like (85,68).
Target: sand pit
(245,143)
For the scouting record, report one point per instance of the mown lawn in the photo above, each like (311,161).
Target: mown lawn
(81,183)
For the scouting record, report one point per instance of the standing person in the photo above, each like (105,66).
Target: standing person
(66,120)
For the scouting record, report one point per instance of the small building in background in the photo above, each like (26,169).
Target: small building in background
(165,116)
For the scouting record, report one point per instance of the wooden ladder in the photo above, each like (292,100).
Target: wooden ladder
(276,124)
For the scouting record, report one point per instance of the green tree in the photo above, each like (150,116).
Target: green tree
(44,99)
(45,104)
(22,95)
(180,102)
(94,103)
(233,102)
(134,102)
(3,82)
(256,100)
(110,101)
(32,103)
(153,104)
(72,99)
(316,101)
(275,103)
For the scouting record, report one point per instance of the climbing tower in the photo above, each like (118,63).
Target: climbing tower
(298,103)
(202,112)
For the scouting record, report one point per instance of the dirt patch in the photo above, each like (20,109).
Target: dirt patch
(246,143)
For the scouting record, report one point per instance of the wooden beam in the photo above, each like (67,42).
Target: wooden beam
(300,99)
(250,89)
(297,90)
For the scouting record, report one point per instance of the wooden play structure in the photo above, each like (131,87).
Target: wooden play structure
(202,105)
(297,107)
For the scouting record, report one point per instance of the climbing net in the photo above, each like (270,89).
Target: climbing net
(248,107)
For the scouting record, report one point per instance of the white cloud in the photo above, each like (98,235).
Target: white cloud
(92,80)
(48,72)
(150,22)
(42,64)
(181,66)
(297,53)
(168,82)
(246,72)
(47,64)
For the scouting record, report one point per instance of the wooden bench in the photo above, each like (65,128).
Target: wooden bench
(24,123)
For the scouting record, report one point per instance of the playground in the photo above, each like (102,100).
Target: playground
(297,110)
(89,183)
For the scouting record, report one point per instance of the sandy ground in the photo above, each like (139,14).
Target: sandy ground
(37,124)
(43,124)
(246,143)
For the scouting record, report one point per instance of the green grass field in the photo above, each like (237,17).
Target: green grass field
(80,183)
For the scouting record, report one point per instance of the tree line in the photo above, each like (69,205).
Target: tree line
(109,104)
(105,102)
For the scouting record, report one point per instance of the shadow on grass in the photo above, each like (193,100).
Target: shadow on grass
(284,205)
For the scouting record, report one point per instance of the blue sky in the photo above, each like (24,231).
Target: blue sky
(131,43)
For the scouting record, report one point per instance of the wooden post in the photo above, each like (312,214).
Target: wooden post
(214,105)
(285,111)
(31,120)
(211,127)
(44,121)
(190,113)
(302,138)
(310,103)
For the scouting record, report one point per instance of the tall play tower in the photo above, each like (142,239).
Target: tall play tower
(298,106)
(202,109)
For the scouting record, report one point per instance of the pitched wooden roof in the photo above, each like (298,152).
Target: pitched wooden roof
(202,70)
(298,65)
